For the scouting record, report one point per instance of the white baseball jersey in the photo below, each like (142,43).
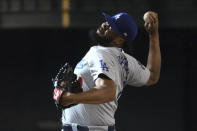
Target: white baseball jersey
(122,68)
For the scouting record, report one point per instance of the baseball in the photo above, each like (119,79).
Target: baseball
(146,17)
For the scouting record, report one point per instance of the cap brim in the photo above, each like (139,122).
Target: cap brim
(111,22)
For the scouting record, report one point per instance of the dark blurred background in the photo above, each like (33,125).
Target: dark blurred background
(38,36)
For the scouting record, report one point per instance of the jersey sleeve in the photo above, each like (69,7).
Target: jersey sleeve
(101,62)
(138,73)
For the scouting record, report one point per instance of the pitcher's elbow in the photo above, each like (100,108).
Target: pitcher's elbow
(152,80)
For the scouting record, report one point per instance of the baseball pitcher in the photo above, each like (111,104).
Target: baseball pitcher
(88,95)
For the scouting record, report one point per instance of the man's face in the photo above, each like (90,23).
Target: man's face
(104,35)
(105,31)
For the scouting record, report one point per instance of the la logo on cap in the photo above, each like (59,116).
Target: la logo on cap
(117,16)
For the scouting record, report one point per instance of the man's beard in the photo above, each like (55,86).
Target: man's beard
(99,40)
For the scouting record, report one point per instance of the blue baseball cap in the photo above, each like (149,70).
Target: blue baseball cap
(123,24)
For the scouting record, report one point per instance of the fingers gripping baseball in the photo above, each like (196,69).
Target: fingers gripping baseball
(151,21)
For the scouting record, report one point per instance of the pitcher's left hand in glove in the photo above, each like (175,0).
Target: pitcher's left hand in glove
(65,81)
